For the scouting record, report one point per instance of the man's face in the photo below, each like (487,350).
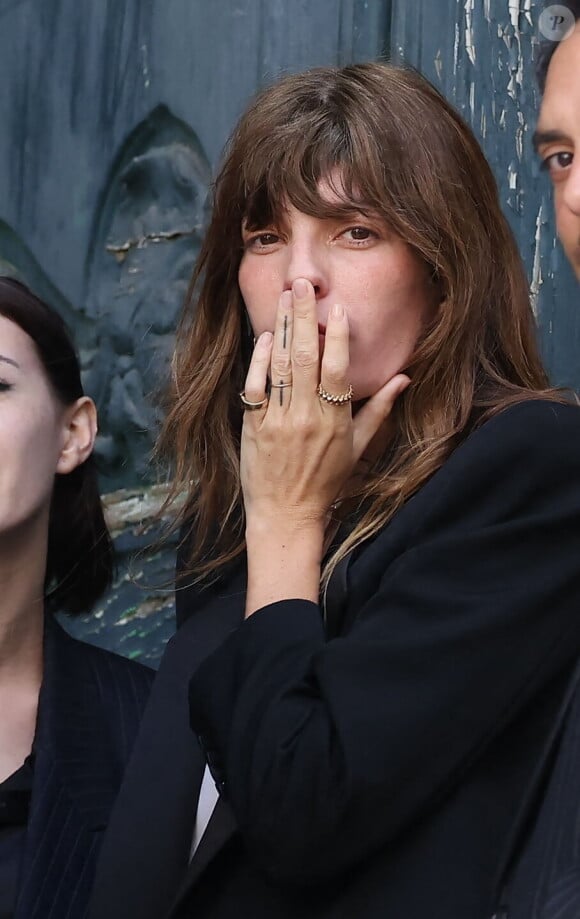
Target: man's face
(557,140)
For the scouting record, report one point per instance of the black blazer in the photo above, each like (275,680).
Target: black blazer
(542,870)
(375,770)
(89,707)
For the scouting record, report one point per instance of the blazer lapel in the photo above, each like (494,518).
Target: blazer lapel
(221,827)
(146,851)
(73,785)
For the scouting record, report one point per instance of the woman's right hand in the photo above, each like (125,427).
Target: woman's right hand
(299,450)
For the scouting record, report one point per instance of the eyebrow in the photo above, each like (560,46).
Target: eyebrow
(549,137)
(8,360)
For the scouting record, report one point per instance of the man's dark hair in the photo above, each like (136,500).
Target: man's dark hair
(548,47)
(80,559)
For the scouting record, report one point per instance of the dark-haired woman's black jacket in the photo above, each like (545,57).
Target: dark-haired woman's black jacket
(373,771)
(90,706)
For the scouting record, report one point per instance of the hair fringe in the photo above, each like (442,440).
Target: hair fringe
(405,154)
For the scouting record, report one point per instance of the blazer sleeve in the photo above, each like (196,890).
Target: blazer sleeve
(327,750)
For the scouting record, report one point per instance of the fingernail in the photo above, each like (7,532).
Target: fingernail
(265,340)
(300,288)
(337,311)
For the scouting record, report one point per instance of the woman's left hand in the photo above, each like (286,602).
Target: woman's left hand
(299,450)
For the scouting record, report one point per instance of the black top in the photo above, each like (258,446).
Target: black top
(373,768)
(15,794)
(88,712)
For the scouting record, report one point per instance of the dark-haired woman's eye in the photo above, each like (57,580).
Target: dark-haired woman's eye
(557,163)
(4,386)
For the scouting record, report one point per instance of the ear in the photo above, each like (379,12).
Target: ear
(80,430)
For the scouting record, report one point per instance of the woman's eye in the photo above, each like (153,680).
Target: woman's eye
(4,386)
(557,162)
(262,241)
(360,234)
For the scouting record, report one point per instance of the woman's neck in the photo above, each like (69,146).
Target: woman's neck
(21,650)
(22,572)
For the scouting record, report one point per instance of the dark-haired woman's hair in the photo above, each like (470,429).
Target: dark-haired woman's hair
(80,559)
(406,156)
(547,47)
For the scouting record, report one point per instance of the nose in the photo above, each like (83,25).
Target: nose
(571,194)
(307,259)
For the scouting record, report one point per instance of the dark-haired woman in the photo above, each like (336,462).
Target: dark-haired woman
(68,711)
(382,564)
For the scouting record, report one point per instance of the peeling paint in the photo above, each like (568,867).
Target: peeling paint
(145,55)
(514,14)
(487,10)
(537,279)
(528,11)
(472,101)
(469,37)
(439,65)
(456,49)
(483,123)
(512,177)
(120,250)
(520,141)
(520,132)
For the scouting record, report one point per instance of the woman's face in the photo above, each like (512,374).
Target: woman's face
(33,432)
(358,263)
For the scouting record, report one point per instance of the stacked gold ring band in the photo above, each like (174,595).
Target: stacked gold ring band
(252,406)
(340,399)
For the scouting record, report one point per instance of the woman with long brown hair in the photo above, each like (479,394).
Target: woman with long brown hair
(381,527)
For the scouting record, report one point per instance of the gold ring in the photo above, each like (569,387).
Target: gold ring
(280,385)
(341,399)
(252,406)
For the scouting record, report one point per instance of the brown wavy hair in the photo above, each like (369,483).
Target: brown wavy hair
(405,155)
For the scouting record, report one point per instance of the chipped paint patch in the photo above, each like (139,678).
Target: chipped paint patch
(514,14)
(537,280)
(439,65)
(469,36)
(521,129)
(146,76)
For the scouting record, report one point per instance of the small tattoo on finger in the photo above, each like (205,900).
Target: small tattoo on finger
(285,331)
